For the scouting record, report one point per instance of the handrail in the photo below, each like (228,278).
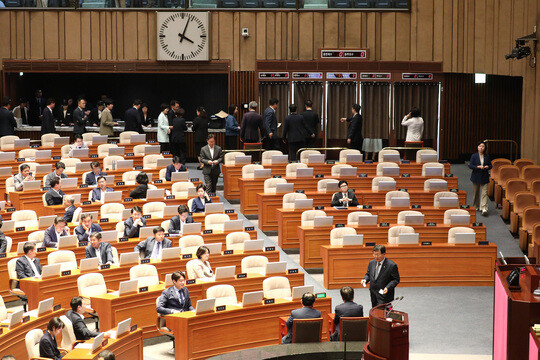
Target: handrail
(512,142)
(407,148)
(320,148)
(243,150)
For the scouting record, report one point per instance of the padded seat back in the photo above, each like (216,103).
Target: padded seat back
(513,186)
(336,168)
(496,166)
(288,199)
(336,235)
(276,287)
(521,163)
(129,177)
(180,189)
(92,284)
(68,335)
(352,218)
(343,154)
(432,165)
(447,194)
(429,182)
(507,172)
(125,136)
(448,214)
(394,231)
(146,274)
(190,243)
(382,154)
(154,208)
(304,155)
(382,165)
(377,179)
(108,161)
(235,240)
(7,142)
(48,139)
(111,211)
(391,194)
(254,264)
(522,200)
(322,185)
(458,230)
(531,217)
(290,169)
(31,340)
(103,149)
(267,156)
(249,170)
(530,173)
(150,161)
(27,153)
(419,154)
(70,164)
(308,217)
(270,184)
(215,221)
(224,294)
(66,259)
(229,157)
(402,214)
(139,149)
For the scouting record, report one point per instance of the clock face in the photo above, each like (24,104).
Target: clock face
(182,36)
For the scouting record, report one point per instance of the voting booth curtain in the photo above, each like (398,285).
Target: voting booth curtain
(280,91)
(341,97)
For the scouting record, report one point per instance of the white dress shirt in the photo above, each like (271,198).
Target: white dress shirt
(415,128)
(33,266)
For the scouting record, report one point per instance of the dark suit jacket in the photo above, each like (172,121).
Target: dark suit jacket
(178,134)
(23,268)
(64,119)
(68,214)
(295,128)
(302,313)
(175,226)
(48,347)
(479,176)
(93,117)
(130,230)
(339,195)
(205,157)
(312,120)
(47,121)
(252,124)
(347,309)
(169,301)
(148,246)
(200,129)
(270,120)
(91,178)
(139,192)
(354,132)
(36,106)
(50,239)
(7,122)
(388,278)
(105,252)
(96,193)
(171,169)
(79,327)
(83,235)
(133,120)
(3,242)
(54,198)
(79,121)
(197,205)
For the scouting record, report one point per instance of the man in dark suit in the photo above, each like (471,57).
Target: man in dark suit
(270,125)
(54,194)
(383,276)
(53,233)
(252,128)
(47,118)
(99,249)
(295,130)
(348,309)
(153,246)
(211,157)
(100,189)
(7,120)
(37,104)
(133,118)
(176,166)
(354,132)
(173,111)
(69,202)
(91,177)
(306,312)
(177,222)
(313,123)
(28,265)
(80,116)
(86,228)
(133,224)
(94,117)
(345,197)
(64,114)
(76,316)
(48,348)
(176,298)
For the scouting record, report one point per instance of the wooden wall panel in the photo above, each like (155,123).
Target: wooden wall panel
(85,36)
(37,41)
(5,35)
(73,35)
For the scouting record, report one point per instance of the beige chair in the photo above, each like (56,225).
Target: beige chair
(270,184)
(77,216)
(139,149)
(48,139)
(190,268)
(235,240)
(125,136)
(382,153)
(352,218)
(448,214)
(8,142)
(304,155)
(190,243)
(460,230)
(394,231)
(129,177)
(9,244)
(428,183)
(120,227)
(31,341)
(83,177)
(254,264)
(267,156)
(248,171)
(37,236)
(343,154)
(224,294)
(165,224)
(111,211)
(66,259)
(43,197)
(229,157)
(146,274)
(70,164)
(337,168)
(322,185)
(162,173)
(290,169)
(3,309)
(64,151)
(10,185)
(215,222)
(27,153)
(432,165)
(419,154)
(276,287)
(382,165)
(288,199)
(26,218)
(115,253)
(401,215)
(68,335)
(154,209)
(377,179)
(308,217)
(103,149)
(108,161)
(88,137)
(180,189)
(336,235)
(441,194)
(92,284)
(190,203)
(392,194)
(150,161)
(33,166)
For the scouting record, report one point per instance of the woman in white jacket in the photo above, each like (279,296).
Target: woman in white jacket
(415,125)
(163,129)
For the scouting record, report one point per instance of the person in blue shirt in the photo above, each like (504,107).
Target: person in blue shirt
(201,200)
(231,128)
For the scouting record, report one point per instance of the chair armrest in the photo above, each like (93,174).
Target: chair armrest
(17,292)
(40,358)
(159,328)
(63,351)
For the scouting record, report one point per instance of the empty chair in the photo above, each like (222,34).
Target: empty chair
(129,177)
(419,154)
(382,154)
(139,149)
(7,142)
(229,157)
(394,231)
(48,139)
(382,165)
(446,194)
(64,151)
(235,240)
(180,189)
(165,224)
(27,153)
(352,218)
(125,136)
(304,155)
(9,243)
(146,274)
(531,217)
(70,164)
(394,194)
(162,173)
(522,200)
(26,218)
(254,264)
(190,243)
(336,235)
(343,154)
(267,156)
(270,184)
(438,183)
(3,309)
(448,214)
(494,174)
(150,161)
(66,259)
(109,160)
(89,137)
(103,149)
(506,173)
(154,209)
(36,236)
(460,230)
(432,165)
(288,199)
(10,186)
(335,171)
(290,169)
(530,173)
(249,170)
(521,163)
(215,222)
(111,211)
(513,186)
(535,189)
(308,217)
(224,294)
(322,185)
(402,214)
(377,179)
(276,287)
(92,284)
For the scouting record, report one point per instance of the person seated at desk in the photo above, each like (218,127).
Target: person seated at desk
(28,265)
(93,176)
(78,143)
(54,196)
(153,246)
(176,166)
(345,197)
(201,200)
(53,233)
(140,191)
(23,175)
(177,222)
(175,299)
(99,249)
(133,224)
(97,193)
(348,309)
(201,266)
(3,241)
(86,227)
(69,200)
(58,173)
(76,316)
(106,355)
(306,312)
(48,348)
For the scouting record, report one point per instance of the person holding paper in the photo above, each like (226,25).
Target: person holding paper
(153,246)
(348,309)
(176,298)
(201,266)
(53,233)
(382,275)
(58,173)
(76,316)
(211,157)
(97,193)
(99,249)
(201,200)
(54,196)
(28,265)
(176,166)
(133,224)
(23,175)
(306,312)
(344,197)
(176,225)
(48,348)
(86,227)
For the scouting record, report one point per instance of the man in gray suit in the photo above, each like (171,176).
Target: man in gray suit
(306,312)
(28,265)
(211,157)
(80,116)
(86,227)
(176,298)
(58,173)
(153,246)
(101,250)
(383,276)
(270,125)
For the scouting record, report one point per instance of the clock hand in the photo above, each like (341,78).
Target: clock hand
(188,39)
(182,36)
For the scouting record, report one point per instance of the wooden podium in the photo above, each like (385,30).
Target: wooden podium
(388,335)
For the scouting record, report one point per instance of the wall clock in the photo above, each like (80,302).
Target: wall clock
(182,36)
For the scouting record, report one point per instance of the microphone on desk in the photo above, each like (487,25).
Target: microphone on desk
(527,260)
(397,300)
(503,259)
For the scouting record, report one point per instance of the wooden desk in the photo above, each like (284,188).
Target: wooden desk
(128,347)
(233,329)
(113,308)
(311,239)
(435,265)
(290,219)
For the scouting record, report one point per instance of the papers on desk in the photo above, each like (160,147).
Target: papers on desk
(84,346)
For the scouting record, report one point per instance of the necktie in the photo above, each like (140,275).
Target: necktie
(378,270)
